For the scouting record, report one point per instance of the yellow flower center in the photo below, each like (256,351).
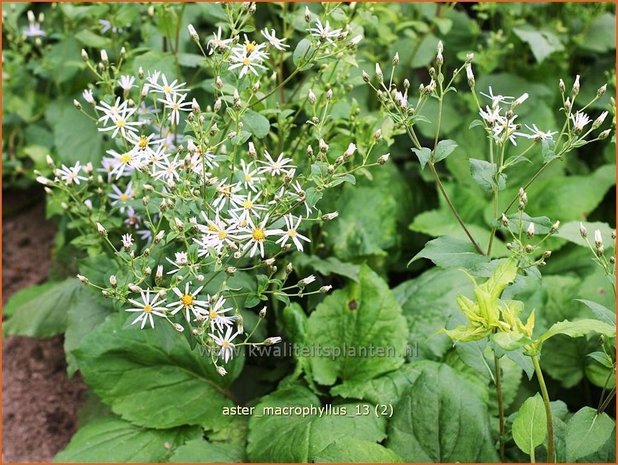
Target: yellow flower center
(246,61)
(143,142)
(213,314)
(186,300)
(248,178)
(167,89)
(292,232)
(225,344)
(124,197)
(248,205)
(212,227)
(250,47)
(222,234)
(120,123)
(258,234)
(147,308)
(175,107)
(126,158)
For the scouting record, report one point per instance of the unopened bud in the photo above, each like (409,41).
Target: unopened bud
(82,279)
(104,58)
(554,227)
(193,33)
(272,340)
(602,90)
(311,97)
(561,86)
(530,230)
(383,158)
(84,55)
(583,232)
(102,231)
(575,89)
(113,280)
(76,104)
(178,327)
(222,371)
(379,73)
(325,289)
(330,216)
(604,134)
(262,313)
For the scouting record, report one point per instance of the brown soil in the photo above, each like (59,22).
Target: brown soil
(39,403)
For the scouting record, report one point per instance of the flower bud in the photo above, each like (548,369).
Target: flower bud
(379,73)
(330,216)
(272,340)
(598,239)
(325,289)
(530,230)
(554,227)
(262,313)
(311,97)
(104,58)
(602,90)
(599,121)
(222,371)
(113,280)
(561,86)
(84,55)
(76,104)
(583,232)
(82,279)
(396,59)
(383,158)
(193,33)
(604,134)
(102,231)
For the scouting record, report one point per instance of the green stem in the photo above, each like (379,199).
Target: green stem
(551,456)
(500,405)
(452,207)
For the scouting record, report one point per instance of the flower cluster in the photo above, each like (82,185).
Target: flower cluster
(189,210)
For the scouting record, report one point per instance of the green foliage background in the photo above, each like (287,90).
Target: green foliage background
(158,400)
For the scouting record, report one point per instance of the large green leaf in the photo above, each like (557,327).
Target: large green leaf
(202,451)
(428,302)
(363,316)
(448,252)
(83,317)
(76,138)
(579,328)
(386,389)
(587,432)
(111,439)
(41,311)
(530,425)
(354,450)
(542,43)
(291,436)
(441,418)
(152,377)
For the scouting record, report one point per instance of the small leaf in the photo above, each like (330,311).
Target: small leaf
(530,425)
(484,173)
(301,54)
(542,43)
(423,155)
(257,124)
(354,450)
(444,149)
(587,432)
(202,451)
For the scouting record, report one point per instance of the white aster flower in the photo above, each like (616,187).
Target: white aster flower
(176,103)
(147,307)
(246,63)
(292,233)
(181,260)
(121,197)
(497,99)
(165,88)
(126,82)
(127,241)
(250,176)
(217,43)
(255,235)
(580,120)
(226,351)
(275,167)
(88,97)
(70,174)
(188,302)
(324,32)
(273,40)
(539,135)
(217,315)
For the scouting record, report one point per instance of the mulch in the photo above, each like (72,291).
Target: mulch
(39,402)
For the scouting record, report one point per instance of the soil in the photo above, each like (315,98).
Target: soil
(39,402)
